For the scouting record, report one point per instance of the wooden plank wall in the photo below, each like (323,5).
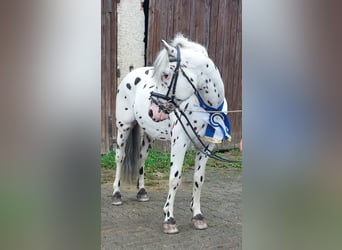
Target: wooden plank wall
(216,24)
(108,73)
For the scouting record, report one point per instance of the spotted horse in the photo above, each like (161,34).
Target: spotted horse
(180,99)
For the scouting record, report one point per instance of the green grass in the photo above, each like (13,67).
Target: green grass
(108,160)
(159,162)
(156,162)
(233,154)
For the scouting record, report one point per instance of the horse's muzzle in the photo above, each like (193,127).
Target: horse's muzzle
(156,113)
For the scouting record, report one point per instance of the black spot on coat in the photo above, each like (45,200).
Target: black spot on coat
(186,106)
(128,86)
(137,80)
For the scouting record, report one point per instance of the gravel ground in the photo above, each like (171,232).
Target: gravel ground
(138,225)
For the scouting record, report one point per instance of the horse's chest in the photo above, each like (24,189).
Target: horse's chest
(157,130)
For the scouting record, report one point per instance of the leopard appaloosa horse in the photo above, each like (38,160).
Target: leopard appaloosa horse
(180,99)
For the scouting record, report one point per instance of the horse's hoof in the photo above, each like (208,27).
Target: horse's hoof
(170,227)
(199,222)
(116,199)
(142,195)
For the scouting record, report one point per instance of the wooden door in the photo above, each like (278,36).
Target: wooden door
(108,74)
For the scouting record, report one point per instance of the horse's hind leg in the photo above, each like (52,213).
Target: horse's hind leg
(145,145)
(120,155)
(195,206)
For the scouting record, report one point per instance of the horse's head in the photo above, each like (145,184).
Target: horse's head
(181,70)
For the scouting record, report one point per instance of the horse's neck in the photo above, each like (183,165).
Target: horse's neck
(211,89)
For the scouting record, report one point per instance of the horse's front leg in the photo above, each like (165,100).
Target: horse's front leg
(195,205)
(178,150)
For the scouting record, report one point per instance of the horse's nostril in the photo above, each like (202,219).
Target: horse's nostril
(150,113)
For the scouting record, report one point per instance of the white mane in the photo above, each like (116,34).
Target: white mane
(185,43)
(162,59)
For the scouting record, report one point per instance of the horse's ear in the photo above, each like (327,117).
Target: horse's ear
(170,50)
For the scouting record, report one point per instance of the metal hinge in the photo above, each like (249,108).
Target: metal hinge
(110,126)
(108,6)
(110,131)
(117,73)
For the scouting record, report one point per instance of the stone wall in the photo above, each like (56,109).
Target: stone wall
(131,28)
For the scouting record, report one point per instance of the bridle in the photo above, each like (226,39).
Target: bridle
(169,105)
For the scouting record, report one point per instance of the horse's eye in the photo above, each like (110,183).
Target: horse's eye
(164,76)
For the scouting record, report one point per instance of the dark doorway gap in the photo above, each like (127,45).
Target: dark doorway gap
(146,6)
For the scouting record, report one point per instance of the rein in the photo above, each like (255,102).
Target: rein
(204,150)
(172,106)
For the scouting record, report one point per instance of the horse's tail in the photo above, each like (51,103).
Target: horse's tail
(131,162)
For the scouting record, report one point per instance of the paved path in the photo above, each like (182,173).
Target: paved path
(138,225)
